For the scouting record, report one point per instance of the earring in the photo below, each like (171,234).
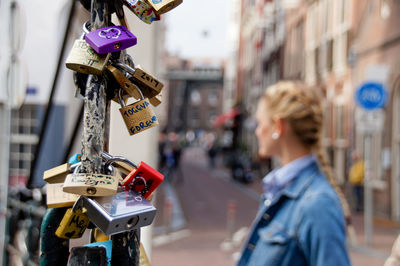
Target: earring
(275,135)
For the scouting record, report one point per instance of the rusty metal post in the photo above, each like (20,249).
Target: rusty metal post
(126,246)
(95,118)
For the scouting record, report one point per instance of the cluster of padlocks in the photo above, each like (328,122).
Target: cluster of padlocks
(115,200)
(120,197)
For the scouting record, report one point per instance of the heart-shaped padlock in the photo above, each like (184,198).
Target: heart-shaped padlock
(137,116)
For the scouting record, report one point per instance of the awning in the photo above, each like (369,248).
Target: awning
(223,118)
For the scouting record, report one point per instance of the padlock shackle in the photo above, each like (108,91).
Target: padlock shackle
(120,99)
(125,67)
(111,159)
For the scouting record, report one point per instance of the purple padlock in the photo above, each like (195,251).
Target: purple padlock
(110,39)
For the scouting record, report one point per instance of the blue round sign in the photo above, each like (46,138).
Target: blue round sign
(371,95)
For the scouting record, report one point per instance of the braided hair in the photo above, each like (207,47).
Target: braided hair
(301,107)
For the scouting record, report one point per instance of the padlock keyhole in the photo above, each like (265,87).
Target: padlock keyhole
(132,222)
(117,45)
(91,190)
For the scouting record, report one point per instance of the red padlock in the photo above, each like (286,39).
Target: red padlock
(145,179)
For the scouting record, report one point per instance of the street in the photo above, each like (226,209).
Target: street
(192,225)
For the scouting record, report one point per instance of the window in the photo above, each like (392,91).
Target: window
(212,98)
(24,124)
(195,97)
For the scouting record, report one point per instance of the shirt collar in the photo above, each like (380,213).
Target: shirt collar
(279,178)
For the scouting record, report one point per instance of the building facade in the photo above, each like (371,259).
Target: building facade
(334,46)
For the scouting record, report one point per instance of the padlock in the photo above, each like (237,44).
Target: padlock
(89,184)
(142,10)
(156,100)
(88,256)
(143,180)
(124,82)
(163,6)
(82,58)
(143,259)
(74,222)
(119,11)
(110,39)
(120,163)
(58,173)
(57,198)
(76,158)
(138,116)
(107,244)
(121,212)
(149,85)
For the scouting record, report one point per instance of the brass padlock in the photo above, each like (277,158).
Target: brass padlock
(149,85)
(73,224)
(82,58)
(57,198)
(163,6)
(156,100)
(57,174)
(87,184)
(123,81)
(138,116)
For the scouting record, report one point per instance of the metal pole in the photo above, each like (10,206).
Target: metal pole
(95,105)
(96,125)
(5,112)
(368,195)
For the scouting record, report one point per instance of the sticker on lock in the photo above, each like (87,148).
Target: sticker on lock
(142,10)
(82,58)
(163,6)
(73,224)
(121,212)
(91,184)
(144,180)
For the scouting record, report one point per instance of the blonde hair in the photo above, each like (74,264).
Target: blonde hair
(301,107)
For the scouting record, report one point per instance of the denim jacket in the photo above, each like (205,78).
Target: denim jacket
(304,225)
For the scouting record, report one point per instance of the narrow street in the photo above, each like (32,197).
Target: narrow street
(199,203)
(204,197)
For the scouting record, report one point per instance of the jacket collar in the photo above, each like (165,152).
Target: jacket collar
(299,184)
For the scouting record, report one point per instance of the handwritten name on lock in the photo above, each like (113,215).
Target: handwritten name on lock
(93,179)
(91,56)
(139,116)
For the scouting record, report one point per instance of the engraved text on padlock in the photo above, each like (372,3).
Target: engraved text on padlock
(91,184)
(138,116)
(84,59)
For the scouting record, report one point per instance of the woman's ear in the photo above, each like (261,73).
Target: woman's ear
(280,125)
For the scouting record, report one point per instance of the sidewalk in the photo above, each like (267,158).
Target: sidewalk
(198,225)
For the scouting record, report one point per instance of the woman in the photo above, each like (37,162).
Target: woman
(300,220)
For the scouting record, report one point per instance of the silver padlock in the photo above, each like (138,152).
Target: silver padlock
(121,212)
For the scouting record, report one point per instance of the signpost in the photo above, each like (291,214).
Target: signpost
(371,97)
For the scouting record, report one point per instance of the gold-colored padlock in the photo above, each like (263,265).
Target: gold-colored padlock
(163,6)
(57,174)
(87,184)
(123,81)
(73,224)
(82,58)
(138,116)
(156,100)
(149,85)
(57,198)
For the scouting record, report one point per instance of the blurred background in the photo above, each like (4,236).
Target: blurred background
(215,59)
